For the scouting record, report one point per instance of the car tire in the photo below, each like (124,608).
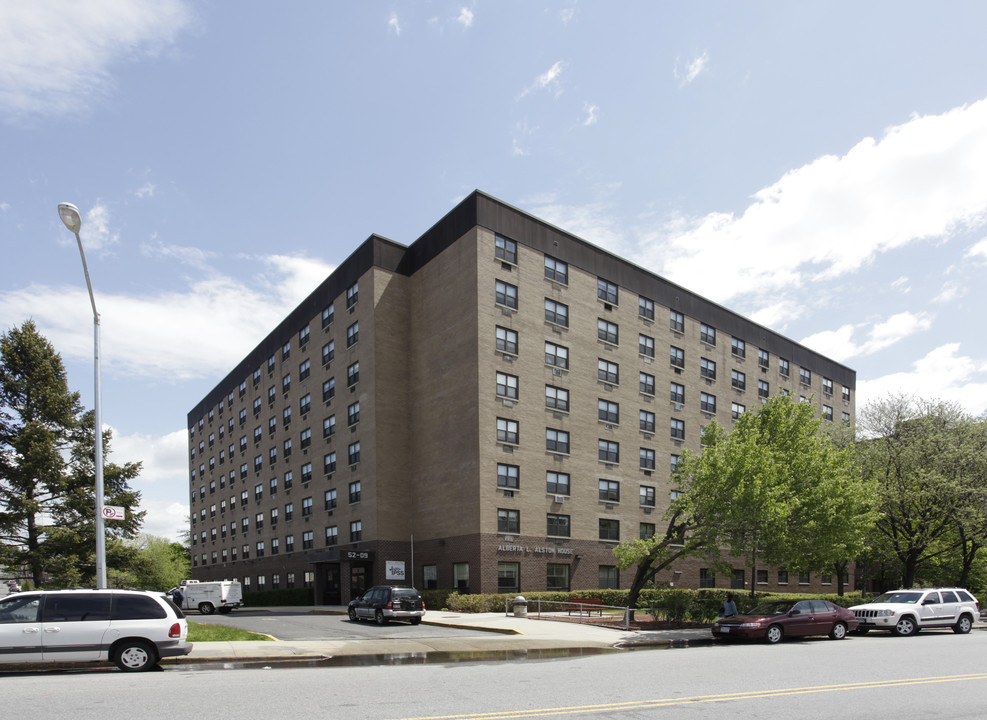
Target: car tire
(838,632)
(774,634)
(963,625)
(352,613)
(416,621)
(379,618)
(861,631)
(135,656)
(206,608)
(905,626)
(224,610)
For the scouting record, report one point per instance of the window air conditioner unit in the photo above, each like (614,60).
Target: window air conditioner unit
(556,371)
(608,426)
(559,498)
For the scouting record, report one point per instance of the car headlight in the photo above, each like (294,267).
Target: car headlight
(749,625)
(885,613)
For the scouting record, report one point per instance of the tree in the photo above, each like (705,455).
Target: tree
(928,461)
(157,564)
(776,489)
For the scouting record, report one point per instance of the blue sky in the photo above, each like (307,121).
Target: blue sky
(820,168)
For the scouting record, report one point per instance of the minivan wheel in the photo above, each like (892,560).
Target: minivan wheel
(135,656)
(838,632)
(379,618)
(963,625)
(206,608)
(905,627)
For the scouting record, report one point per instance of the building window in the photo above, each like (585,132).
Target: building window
(706,578)
(606,331)
(763,389)
(782,577)
(306,472)
(645,308)
(646,421)
(736,410)
(762,577)
(356,491)
(507,386)
(508,521)
(827,413)
(676,357)
(505,249)
(329,426)
(271,364)
(557,483)
(646,345)
(304,370)
(738,348)
(308,540)
(329,463)
(353,452)
(707,402)
(557,577)
(609,529)
(289,546)
(506,341)
(507,431)
(328,352)
(508,577)
(288,480)
(827,386)
(285,351)
(707,369)
(286,416)
(647,459)
(678,429)
(332,535)
(556,355)
(461,577)
(608,372)
(738,380)
(608,412)
(647,496)
(556,270)
(305,404)
(256,406)
(738,580)
(676,321)
(805,376)
(328,315)
(353,334)
(507,476)
(606,291)
(556,398)
(646,383)
(707,334)
(556,441)
(430,577)
(306,507)
(352,295)
(558,525)
(353,374)
(505,294)
(353,414)
(646,531)
(763,358)
(608,451)
(556,312)
(676,393)
(329,389)
(260,549)
(305,440)
(609,491)
(783,367)
(356,531)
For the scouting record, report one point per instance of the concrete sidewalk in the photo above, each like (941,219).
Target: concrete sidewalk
(494,632)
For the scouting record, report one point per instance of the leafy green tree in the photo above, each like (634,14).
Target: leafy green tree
(777,490)
(156,564)
(928,462)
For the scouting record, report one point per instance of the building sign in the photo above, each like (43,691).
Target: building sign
(394,570)
(359,555)
(536,550)
(114,512)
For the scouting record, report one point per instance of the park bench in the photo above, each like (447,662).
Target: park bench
(585,605)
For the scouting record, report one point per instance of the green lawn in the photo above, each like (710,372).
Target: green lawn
(197,632)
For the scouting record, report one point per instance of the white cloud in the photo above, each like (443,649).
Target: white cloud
(592,114)
(465,17)
(902,284)
(170,335)
(56,56)
(548,79)
(393,24)
(840,345)
(566,14)
(693,69)
(942,374)
(926,178)
(978,251)
(96,233)
(147,190)
(950,291)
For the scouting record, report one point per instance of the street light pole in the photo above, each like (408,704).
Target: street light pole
(70,215)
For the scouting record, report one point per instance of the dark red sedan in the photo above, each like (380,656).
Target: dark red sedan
(774,619)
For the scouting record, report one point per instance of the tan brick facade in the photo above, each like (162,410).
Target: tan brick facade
(433,386)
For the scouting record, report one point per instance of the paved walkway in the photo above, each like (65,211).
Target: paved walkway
(495,632)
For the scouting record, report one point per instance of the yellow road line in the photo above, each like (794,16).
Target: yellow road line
(668,702)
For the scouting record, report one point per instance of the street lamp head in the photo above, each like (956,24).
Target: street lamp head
(69,214)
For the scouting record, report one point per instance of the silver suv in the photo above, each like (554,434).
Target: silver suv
(905,612)
(131,628)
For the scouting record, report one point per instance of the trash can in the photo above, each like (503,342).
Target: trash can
(520,606)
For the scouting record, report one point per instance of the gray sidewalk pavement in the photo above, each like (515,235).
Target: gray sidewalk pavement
(495,632)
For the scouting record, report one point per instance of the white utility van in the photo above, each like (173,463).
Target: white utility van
(208,597)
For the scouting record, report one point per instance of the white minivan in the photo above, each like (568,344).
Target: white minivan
(132,628)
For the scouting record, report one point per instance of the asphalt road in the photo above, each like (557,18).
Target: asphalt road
(306,625)
(876,677)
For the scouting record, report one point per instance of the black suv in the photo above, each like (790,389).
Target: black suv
(388,602)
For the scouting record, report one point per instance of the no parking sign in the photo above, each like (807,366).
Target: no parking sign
(112,512)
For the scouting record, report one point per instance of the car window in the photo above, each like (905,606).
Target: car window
(965,596)
(405,593)
(20,609)
(909,598)
(931,598)
(76,607)
(821,606)
(136,607)
(805,606)
(948,596)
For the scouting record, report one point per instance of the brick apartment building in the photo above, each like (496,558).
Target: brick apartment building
(491,408)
